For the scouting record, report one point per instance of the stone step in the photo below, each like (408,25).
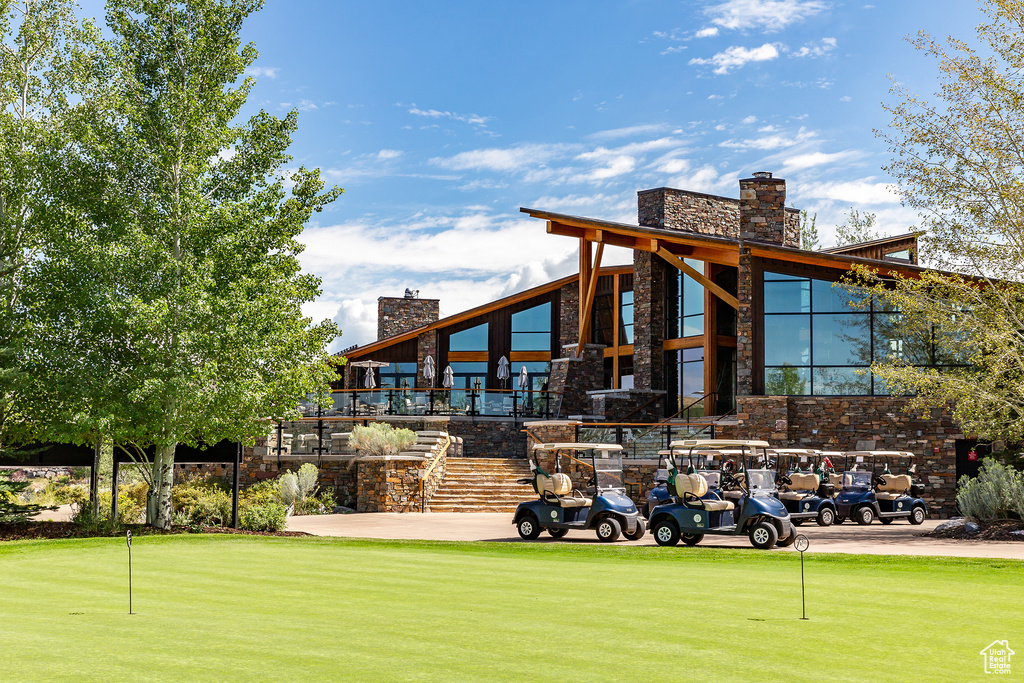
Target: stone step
(474,508)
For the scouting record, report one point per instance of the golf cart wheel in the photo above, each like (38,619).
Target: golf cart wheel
(826,516)
(666,532)
(917,515)
(638,533)
(885,520)
(558,533)
(608,530)
(529,527)
(763,535)
(692,539)
(864,515)
(797,522)
(787,541)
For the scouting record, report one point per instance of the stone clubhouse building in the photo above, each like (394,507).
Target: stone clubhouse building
(721,315)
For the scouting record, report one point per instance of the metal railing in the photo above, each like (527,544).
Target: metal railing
(514,403)
(642,439)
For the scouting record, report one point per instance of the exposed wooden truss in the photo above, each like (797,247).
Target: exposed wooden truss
(699,277)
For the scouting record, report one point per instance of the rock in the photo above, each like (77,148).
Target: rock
(342,510)
(954,523)
(971,527)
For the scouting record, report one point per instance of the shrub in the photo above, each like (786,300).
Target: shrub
(996,493)
(263,517)
(205,502)
(261,493)
(380,438)
(93,524)
(12,509)
(322,503)
(296,488)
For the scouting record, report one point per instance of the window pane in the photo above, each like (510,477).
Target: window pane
(473,339)
(842,339)
(626,334)
(626,318)
(602,333)
(693,325)
(531,341)
(835,298)
(842,382)
(781,276)
(787,340)
(895,341)
(536,319)
(787,381)
(787,297)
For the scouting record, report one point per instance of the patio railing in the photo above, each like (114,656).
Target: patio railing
(517,403)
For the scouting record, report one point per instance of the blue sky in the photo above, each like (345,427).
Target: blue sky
(440,119)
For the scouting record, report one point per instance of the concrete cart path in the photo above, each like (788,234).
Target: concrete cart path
(898,538)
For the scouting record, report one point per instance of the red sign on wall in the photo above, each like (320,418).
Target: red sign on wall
(973,455)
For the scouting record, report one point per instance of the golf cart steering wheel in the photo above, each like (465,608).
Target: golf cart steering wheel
(784,479)
(880,481)
(729,482)
(592,481)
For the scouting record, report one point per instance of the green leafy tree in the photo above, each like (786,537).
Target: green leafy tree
(44,61)
(809,240)
(784,381)
(858,227)
(173,307)
(959,162)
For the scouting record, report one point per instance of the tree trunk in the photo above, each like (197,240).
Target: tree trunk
(158,502)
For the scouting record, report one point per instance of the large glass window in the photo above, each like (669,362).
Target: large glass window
(473,339)
(604,320)
(684,308)
(531,329)
(625,318)
(685,377)
(397,376)
(820,339)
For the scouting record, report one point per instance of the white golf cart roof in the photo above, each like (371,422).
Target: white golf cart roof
(886,454)
(718,443)
(577,447)
(795,451)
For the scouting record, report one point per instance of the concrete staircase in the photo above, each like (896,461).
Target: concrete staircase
(482,485)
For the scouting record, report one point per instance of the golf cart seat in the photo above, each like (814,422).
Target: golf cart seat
(804,484)
(836,480)
(895,486)
(690,488)
(560,485)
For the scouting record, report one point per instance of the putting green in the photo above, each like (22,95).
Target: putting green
(295,609)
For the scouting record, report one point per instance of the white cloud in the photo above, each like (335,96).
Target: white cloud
(471,119)
(738,56)
(845,98)
(268,71)
(749,120)
(814,159)
(768,15)
(673,49)
(864,191)
(630,131)
(708,32)
(386,154)
(504,159)
(822,48)
(770,142)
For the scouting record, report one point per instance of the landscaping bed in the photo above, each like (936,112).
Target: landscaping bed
(40,530)
(985,531)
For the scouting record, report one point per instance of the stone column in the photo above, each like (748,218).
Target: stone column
(569,315)
(648,320)
(745,361)
(426,345)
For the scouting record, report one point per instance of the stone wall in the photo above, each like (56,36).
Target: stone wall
(569,315)
(745,361)
(397,315)
(574,377)
(490,437)
(389,485)
(673,209)
(629,406)
(859,423)
(648,321)
(763,211)
(426,345)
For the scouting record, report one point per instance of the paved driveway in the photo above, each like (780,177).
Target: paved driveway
(899,538)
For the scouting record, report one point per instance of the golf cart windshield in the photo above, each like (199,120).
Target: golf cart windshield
(761,480)
(853,480)
(608,474)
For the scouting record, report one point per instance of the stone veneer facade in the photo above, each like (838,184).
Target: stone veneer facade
(397,315)
(649,273)
(672,209)
(568,315)
(745,361)
(573,377)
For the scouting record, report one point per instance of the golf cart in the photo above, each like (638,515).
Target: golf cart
(602,505)
(695,513)
(866,495)
(807,494)
(702,462)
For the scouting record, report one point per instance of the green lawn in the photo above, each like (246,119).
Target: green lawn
(295,609)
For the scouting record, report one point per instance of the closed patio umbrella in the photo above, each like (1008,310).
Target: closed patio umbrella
(428,370)
(448,381)
(524,379)
(370,382)
(503,373)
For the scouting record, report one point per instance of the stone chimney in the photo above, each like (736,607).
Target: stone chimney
(673,209)
(397,315)
(763,213)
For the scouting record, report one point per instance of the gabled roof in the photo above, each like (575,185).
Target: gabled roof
(894,239)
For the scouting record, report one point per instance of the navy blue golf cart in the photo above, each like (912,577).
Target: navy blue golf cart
(696,512)
(867,493)
(705,463)
(601,505)
(806,493)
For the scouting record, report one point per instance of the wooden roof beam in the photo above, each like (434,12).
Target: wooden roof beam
(699,277)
